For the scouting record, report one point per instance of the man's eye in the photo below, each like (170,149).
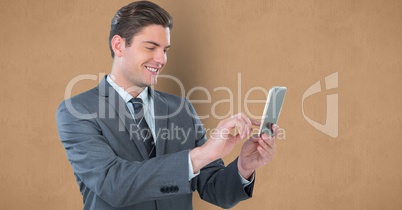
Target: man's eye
(150,48)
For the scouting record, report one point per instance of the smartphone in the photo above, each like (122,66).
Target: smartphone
(272,110)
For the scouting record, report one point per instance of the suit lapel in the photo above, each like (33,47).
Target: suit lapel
(124,118)
(161,114)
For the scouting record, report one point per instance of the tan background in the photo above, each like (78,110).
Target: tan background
(46,43)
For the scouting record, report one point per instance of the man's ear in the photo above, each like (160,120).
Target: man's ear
(118,45)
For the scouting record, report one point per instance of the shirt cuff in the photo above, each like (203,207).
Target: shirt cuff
(191,175)
(245,182)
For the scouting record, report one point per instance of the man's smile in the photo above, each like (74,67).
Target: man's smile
(153,69)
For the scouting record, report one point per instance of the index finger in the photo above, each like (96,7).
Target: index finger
(255,122)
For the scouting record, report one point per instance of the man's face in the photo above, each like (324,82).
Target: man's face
(145,58)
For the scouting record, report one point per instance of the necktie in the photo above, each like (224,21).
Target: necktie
(145,133)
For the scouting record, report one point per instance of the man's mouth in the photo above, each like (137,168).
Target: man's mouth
(154,70)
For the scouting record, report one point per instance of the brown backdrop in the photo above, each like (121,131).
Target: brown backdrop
(220,44)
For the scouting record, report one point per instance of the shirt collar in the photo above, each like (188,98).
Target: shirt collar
(144,95)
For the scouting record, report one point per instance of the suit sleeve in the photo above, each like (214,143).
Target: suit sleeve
(217,184)
(117,181)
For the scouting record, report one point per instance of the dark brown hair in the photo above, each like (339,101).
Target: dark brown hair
(132,18)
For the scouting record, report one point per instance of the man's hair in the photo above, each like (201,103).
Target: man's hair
(132,18)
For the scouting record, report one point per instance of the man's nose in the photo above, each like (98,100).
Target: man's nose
(160,57)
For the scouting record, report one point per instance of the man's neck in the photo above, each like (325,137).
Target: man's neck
(133,90)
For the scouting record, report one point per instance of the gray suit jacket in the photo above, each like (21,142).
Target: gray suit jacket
(111,165)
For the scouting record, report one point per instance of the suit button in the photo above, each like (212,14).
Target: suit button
(172,189)
(176,189)
(163,190)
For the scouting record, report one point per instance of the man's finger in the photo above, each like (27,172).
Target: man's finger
(276,130)
(255,122)
(245,123)
(240,122)
(266,155)
(269,140)
(263,144)
(236,138)
(254,138)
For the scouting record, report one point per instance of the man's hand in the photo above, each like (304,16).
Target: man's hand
(222,141)
(256,152)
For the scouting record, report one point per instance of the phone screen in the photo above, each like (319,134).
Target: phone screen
(272,110)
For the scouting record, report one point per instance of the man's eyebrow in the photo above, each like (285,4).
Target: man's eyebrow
(156,44)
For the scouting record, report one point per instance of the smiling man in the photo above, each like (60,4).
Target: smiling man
(119,158)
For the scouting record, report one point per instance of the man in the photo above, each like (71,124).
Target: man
(118,139)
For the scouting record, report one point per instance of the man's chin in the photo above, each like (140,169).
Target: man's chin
(153,82)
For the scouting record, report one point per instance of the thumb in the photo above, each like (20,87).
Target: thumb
(254,138)
(235,139)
